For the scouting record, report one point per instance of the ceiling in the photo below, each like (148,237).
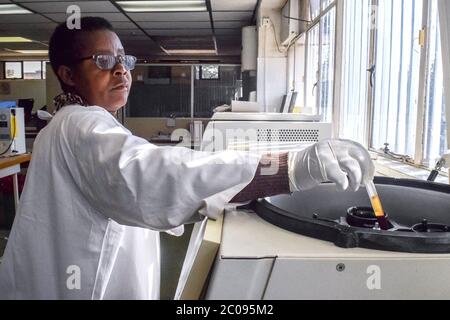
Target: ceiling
(147,35)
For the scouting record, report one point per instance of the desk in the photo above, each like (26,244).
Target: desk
(165,141)
(11,166)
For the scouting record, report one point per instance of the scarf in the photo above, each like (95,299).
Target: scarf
(67,98)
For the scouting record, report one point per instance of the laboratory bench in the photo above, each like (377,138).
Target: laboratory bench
(11,166)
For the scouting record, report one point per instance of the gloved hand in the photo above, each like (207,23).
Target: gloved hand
(344,162)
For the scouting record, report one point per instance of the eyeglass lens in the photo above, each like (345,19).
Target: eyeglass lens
(107,62)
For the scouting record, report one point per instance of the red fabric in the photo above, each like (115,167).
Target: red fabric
(264,184)
(7,186)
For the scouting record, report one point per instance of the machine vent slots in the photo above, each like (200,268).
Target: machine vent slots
(288,135)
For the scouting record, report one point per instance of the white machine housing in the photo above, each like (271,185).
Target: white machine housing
(256,132)
(12,131)
(262,132)
(257,260)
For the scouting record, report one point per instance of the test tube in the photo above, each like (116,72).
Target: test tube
(376,205)
(374,199)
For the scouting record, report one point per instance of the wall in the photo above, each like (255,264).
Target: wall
(148,127)
(52,87)
(27,89)
(272,71)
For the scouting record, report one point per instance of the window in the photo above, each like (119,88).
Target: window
(299,70)
(165,91)
(392,78)
(209,72)
(326,3)
(13,70)
(44,69)
(318,87)
(435,127)
(208,95)
(312,68)
(354,93)
(315,8)
(397,65)
(328,36)
(23,70)
(32,69)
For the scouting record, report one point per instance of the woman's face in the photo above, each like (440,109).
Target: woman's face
(105,88)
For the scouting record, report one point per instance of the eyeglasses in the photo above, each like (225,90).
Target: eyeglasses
(108,61)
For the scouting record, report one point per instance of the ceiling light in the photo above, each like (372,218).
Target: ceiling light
(14,39)
(13,9)
(191,51)
(163,6)
(41,52)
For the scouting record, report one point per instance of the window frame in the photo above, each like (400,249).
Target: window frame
(44,69)
(43,62)
(23,69)
(4,69)
(316,22)
(418,157)
(423,85)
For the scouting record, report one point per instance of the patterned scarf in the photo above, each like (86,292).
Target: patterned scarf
(67,98)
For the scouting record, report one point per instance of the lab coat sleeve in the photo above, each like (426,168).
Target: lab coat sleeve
(139,184)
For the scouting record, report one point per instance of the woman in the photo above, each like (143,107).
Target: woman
(96,196)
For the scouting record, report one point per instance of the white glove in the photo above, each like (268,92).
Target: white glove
(344,162)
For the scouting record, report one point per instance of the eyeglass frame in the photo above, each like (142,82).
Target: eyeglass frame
(118,59)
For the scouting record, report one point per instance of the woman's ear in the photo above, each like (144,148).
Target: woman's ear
(66,75)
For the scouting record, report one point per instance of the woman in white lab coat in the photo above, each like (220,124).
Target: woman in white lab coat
(96,196)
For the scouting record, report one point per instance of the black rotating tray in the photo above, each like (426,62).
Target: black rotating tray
(407,202)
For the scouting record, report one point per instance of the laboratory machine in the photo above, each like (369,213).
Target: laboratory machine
(324,244)
(12,130)
(320,244)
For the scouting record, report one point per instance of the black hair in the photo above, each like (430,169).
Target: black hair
(64,46)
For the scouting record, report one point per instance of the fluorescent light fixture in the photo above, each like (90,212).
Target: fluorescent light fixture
(14,39)
(42,52)
(191,51)
(163,6)
(13,9)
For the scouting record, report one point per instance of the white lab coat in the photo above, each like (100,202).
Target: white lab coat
(94,201)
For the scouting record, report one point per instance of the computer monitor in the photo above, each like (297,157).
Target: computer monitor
(284,104)
(7,104)
(288,103)
(27,105)
(293,101)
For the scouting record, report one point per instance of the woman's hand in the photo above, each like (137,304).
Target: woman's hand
(344,162)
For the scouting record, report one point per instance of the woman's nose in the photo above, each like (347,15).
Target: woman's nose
(120,70)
